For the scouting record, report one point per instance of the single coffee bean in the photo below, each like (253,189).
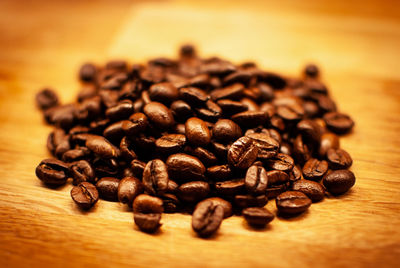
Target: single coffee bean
(245,201)
(170,143)
(105,167)
(137,123)
(76,154)
(277,177)
(315,169)
(256,180)
(155,177)
(62,116)
(181,110)
(301,150)
(170,202)
(82,171)
(159,114)
(185,167)
(230,188)
(120,111)
(137,167)
(128,189)
(275,190)
(242,153)
(292,112)
(230,107)
(312,189)
(219,173)
(163,92)
(204,155)
(52,172)
(101,146)
(292,202)
(338,122)
(148,223)
(226,205)
(114,132)
(85,195)
(87,72)
(310,131)
(339,181)
(281,162)
(234,91)
(250,119)
(226,131)
(258,217)
(338,159)
(207,217)
(252,106)
(146,204)
(193,95)
(296,174)
(267,146)
(46,98)
(210,112)
(126,149)
(108,188)
(197,132)
(193,191)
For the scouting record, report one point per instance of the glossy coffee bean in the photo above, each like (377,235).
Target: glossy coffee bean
(108,188)
(170,143)
(206,218)
(193,95)
(197,132)
(242,153)
(315,169)
(226,205)
(328,141)
(159,115)
(163,92)
(312,189)
(82,171)
(282,162)
(85,195)
(219,173)
(193,191)
(185,167)
(155,177)
(144,203)
(258,217)
(338,159)
(101,146)
(267,146)
(126,148)
(256,180)
(181,110)
(137,167)
(230,188)
(277,177)
(148,223)
(245,201)
(292,203)
(52,172)
(339,181)
(226,131)
(338,122)
(171,203)
(250,119)
(128,189)
(120,111)
(137,123)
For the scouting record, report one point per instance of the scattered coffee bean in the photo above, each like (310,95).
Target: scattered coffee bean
(315,169)
(128,189)
(52,172)
(339,181)
(258,217)
(312,189)
(207,217)
(338,122)
(108,188)
(155,177)
(193,191)
(292,202)
(148,223)
(46,99)
(242,153)
(339,159)
(85,195)
(256,180)
(146,204)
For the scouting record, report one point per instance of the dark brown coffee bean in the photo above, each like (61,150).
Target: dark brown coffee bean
(159,114)
(181,110)
(240,76)
(257,217)
(275,190)
(292,202)
(58,142)
(216,66)
(105,167)
(193,95)
(221,150)
(277,177)
(256,180)
(296,174)
(197,132)
(170,202)
(137,123)
(126,149)
(108,188)
(339,181)
(155,177)
(193,191)
(82,171)
(245,201)
(52,172)
(230,107)
(252,106)
(310,131)
(114,132)
(338,122)
(76,154)
(170,143)
(242,153)
(338,159)
(234,91)
(85,195)
(267,146)
(230,188)
(312,189)
(101,146)
(137,167)
(120,111)
(163,92)
(87,72)
(226,131)
(250,118)
(146,204)
(226,205)
(301,150)
(62,116)
(281,162)
(315,169)
(291,112)
(46,98)
(148,223)
(219,173)
(328,141)
(185,167)
(207,217)
(204,155)
(128,189)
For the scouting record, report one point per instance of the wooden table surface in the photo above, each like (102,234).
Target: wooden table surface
(357,44)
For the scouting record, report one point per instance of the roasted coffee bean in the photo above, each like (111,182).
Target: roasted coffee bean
(114,132)
(277,177)
(82,171)
(312,189)
(338,159)
(148,223)
(106,167)
(126,149)
(108,188)
(219,173)
(230,107)
(301,150)
(62,116)
(193,191)
(226,131)
(128,189)
(256,180)
(226,205)
(250,119)
(258,217)
(120,111)
(240,76)
(101,146)
(155,177)
(207,217)
(328,141)
(242,153)
(292,203)
(163,92)
(137,123)
(172,187)
(87,72)
(275,190)
(205,156)
(137,167)
(310,131)
(52,172)
(311,70)
(185,167)
(58,142)
(281,162)
(234,91)
(267,146)
(170,143)
(292,112)
(46,98)
(230,188)
(197,132)
(85,195)
(170,202)
(76,154)
(338,122)
(159,114)
(252,106)
(181,110)
(144,203)
(221,150)
(245,201)
(339,181)
(193,95)
(315,169)
(211,112)
(296,174)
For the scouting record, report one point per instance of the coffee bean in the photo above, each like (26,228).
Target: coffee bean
(128,189)
(52,172)
(267,146)
(105,167)
(310,131)
(291,112)
(114,132)
(256,180)
(126,149)
(205,156)
(163,92)
(197,132)
(311,70)
(193,95)
(76,154)
(108,188)
(146,204)
(219,173)
(211,112)
(85,195)
(137,123)
(312,189)
(137,167)
(170,143)
(315,169)
(281,162)
(234,91)
(275,190)
(87,72)
(328,141)
(276,177)
(148,223)
(159,114)
(185,167)
(250,118)
(82,171)
(230,107)
(181,110)
(62,116)
(230,188)
(101,146)
(339,181)
(170,202)
(155,177)
(226,131)
(193,191)
(339,159)
(226,205)
(257,217)
(242,153)
(338,122)
(46,98)
(292,203)
(245,201)
(207,217)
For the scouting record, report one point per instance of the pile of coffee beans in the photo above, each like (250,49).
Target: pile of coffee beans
(199,136)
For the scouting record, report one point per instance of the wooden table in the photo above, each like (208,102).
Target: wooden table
(357,43)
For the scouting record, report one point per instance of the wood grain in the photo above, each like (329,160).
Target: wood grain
(356,43)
